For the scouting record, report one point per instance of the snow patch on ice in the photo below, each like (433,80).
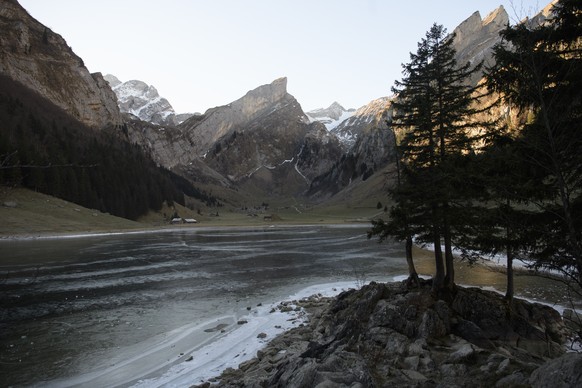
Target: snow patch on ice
(241,343)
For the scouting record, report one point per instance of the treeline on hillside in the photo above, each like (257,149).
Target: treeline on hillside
(467,181)
(44,149)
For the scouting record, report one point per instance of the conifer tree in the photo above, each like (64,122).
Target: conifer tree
(540,68)
(435,110)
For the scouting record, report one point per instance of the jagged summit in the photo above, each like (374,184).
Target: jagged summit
(223,120)
(274,91)
(143,101)
(475,37)
(331,116)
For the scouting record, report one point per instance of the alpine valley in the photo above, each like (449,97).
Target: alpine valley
(260,149)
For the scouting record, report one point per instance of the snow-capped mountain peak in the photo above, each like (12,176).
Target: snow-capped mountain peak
(143,101)
(331,116)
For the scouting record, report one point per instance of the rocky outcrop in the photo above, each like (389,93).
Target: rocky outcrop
(476,37)
(41,60)
(144,102)
(389,335)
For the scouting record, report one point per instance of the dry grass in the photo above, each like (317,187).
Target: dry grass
(30,213)
(36,214)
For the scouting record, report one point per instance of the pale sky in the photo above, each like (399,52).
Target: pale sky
(203,53)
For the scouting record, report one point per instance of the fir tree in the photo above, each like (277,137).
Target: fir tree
(435,111)
(539,68)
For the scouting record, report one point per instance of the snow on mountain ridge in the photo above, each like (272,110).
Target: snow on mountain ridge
(368,115)
(143,101)
(331,116)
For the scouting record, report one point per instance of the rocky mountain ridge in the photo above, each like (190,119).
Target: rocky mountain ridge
(331,116)
(476,37)
(144,102)
(41,60)
(263,141)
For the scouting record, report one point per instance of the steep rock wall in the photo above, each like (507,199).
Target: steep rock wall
(41,60)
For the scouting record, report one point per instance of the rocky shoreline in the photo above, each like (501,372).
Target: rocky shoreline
(394,335)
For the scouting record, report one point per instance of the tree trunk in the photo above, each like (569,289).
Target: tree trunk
(509,291)
(439,277)
(412,274)
(450,267)
(509,252)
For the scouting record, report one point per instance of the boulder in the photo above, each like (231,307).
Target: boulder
(562,372)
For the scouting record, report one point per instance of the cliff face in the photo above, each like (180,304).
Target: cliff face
(264,141)
(223,120)
(476,37)
(41,60)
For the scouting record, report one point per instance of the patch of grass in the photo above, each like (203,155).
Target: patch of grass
(27,213)
(32,214)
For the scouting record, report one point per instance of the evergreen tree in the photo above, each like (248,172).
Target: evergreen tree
(500,212)
(540,68)
(435,108)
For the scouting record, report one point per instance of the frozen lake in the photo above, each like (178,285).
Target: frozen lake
(126,309)
(74,306)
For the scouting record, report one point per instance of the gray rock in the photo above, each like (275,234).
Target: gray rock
(516,379)
(413,375)
(432,325)
(465,353)
(562,372)
(412,362)
(503,366)
(351,343)
(453,370)
(472,333)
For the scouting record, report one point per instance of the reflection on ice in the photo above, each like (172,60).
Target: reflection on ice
(75,307)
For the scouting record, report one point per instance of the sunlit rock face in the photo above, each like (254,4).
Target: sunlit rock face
(264,140)
(476,37)
(41,60)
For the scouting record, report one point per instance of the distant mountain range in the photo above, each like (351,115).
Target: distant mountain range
(256,148)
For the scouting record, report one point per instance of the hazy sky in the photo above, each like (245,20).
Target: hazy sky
(204,53)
